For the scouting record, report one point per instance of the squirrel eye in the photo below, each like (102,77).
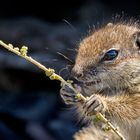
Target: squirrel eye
(110,55)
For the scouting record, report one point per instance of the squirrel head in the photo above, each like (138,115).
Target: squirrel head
(109,58)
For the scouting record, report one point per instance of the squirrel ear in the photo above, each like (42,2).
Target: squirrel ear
(137,39)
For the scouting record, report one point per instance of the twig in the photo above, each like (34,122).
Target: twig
(53,76)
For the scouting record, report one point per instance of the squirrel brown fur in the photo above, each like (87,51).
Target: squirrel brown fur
(108,66)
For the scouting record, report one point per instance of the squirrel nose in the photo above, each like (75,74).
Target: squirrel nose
(76,74)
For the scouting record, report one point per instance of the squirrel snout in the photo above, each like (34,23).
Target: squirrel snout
(76,74)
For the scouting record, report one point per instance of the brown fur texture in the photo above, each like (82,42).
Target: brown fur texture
(113,86)
(92,133)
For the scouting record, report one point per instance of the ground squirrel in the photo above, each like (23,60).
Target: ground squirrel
(108,66)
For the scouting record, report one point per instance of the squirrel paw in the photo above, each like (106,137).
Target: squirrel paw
(93,105)
(68,95)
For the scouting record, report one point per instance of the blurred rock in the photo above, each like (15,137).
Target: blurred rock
(62,130)
(31,107)
(37,132)
(6,133)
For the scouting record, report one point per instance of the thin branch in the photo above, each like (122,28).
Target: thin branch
(53,76)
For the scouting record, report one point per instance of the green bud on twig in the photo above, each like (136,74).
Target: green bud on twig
(24,50)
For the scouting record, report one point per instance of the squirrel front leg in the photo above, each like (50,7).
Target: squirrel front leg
(126,107)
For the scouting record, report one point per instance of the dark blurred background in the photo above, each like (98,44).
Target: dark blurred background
(30,105)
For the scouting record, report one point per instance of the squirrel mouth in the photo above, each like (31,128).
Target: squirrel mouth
(87,83)
(92,83)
